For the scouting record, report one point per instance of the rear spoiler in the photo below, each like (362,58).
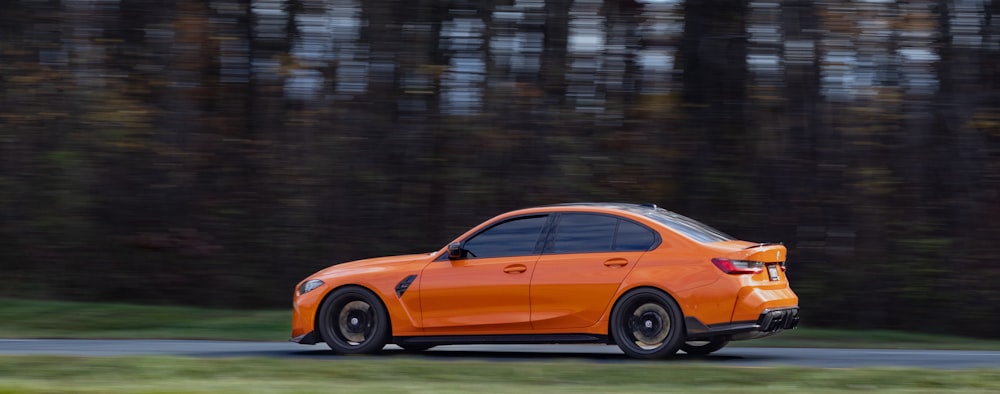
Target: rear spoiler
(766,253)
(762,244)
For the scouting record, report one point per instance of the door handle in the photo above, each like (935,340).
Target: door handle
(616,263)
(515,269)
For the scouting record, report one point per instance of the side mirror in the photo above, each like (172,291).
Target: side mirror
(456,252)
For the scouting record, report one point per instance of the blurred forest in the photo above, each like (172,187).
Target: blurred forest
(216,152)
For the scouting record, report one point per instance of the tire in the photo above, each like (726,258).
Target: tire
(352,320)
(647,323)
(701,348)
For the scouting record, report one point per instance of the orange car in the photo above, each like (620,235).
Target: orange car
(644,278)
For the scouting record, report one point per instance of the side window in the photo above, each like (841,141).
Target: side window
(515,237)
(633,237)
(580,232)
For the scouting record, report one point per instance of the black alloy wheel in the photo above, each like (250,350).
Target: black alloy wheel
(352,320)
(647,323)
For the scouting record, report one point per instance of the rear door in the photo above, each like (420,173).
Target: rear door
(585,260)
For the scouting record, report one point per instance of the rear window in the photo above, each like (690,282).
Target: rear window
(587,232)
(691,228)
(580,232)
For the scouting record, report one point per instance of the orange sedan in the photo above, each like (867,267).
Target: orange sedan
(646,279)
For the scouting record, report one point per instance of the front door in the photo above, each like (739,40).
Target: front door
(488,290)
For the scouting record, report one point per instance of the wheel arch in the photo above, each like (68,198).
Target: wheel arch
(332,290)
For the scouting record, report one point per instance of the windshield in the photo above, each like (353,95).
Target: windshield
(691,228)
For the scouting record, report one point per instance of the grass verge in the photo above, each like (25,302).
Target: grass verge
(59,319)
(44,374)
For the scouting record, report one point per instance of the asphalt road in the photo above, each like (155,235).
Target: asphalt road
(731,356)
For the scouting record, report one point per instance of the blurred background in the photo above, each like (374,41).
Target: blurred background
(214,153)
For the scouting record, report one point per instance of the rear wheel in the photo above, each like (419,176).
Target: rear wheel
(647,324)
(352,320)
(703,347)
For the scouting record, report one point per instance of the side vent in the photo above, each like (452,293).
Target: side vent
(404,284)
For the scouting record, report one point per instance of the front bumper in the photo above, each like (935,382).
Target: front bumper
(310,338)
(770,322)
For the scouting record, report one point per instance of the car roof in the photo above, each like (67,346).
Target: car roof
(639,209)
(609,205)
(648,212)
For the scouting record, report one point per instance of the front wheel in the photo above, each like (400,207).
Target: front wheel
(701,348)
(352,320)
(647,323)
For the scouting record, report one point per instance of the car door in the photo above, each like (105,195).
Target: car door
(488,290)
(585,260)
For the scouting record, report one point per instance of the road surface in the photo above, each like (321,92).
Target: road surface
(731,356)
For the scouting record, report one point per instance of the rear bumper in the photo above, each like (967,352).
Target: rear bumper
(778,319)
(771,321)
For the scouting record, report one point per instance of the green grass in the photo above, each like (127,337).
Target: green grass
(57,319)
(37,374)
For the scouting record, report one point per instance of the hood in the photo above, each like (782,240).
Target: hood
(374,264)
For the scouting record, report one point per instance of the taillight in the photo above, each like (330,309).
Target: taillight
(737,267)
(782,265)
